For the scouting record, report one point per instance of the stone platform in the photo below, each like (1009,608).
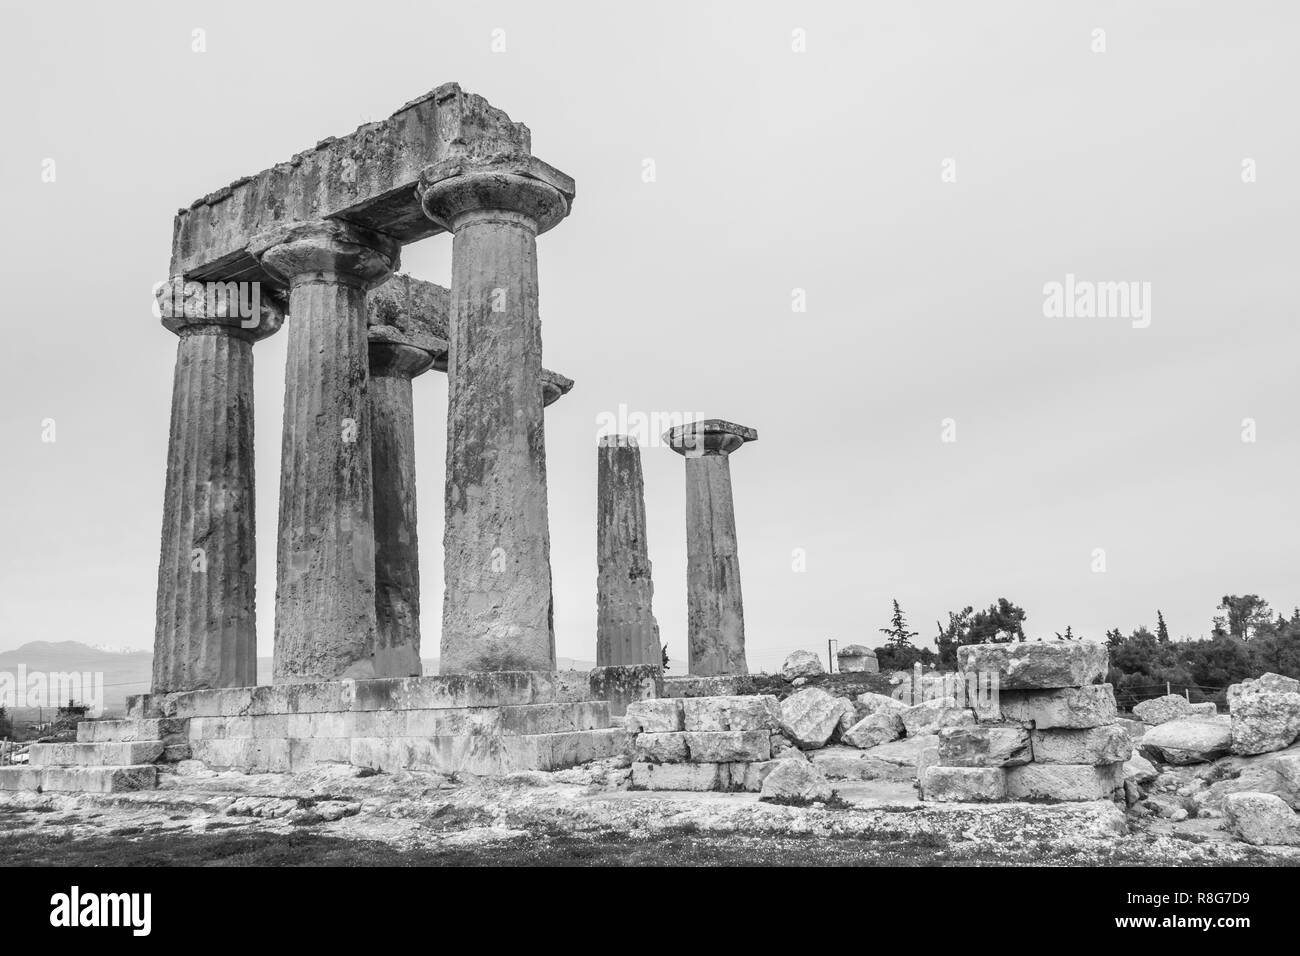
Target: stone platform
(480,724)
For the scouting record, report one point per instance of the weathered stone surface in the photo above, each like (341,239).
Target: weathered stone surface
(1264,720)
(929,757)
(654,716)
(944,784)
(928,716)
(497,605)
(874,730)
(1095,745)
(849,763)
(681,776)
(810,717)
(626,630)
(1187,740)
(661,748)
(325,577)
(761,712)
(985,745)
(1205,708)
(857,659)
(18,777)
(1265,682)
(1262,819)
(1278,774)
(795,780)
(205,631)
(622,685)
(1037,665)
(802,664)
(1140,770)
(715,606)
(123,754)
(125,731)
(99,779)
(397,555)
(1060,781)
(722,685)
(870,703)
(1072,708)
(1160,710)
(728,746)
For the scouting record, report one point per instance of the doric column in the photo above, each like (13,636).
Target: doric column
(325,571)
(206,635)
(715,609)
(393,364)
(497,612)
(626,631)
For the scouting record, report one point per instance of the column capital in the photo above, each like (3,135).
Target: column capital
(396,358)
(554,387)
(327,249)
(457,191)
(712,436)
(241,310)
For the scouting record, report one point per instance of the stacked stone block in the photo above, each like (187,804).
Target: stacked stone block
(1048,733)
(704,743)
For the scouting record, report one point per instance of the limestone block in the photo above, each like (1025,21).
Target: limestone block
(244,753)
(728,746)
(1074,708)
(18,777)
(1094,745)
(660,748)
(985,745)
(964,784)
(732,713)
(857,659)
(927,716)
(305,752)
(720,685)
(625,684)
(929,757)
(654,716)
(849,763)
(1187,740)
(795,780)
(1265,682)
(126,731)
(1037,665)
(810,717)
(681,776)
(1160,710)
(874,730)
(1262,819)
(1062,781)
(99,779)
(750,776)
(1139,770)
(802,664)
(96,755)
(1264,720)
(869,703)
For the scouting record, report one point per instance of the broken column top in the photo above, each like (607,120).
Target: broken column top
(410,311)
(617,440)
(711,436)
(367,178)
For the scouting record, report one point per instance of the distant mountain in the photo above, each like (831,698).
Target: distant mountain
(127,672)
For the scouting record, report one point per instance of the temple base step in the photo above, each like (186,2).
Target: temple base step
(79,779)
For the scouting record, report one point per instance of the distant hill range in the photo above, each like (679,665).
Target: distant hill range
(126,673)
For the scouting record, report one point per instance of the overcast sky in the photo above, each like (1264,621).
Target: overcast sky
(775,170)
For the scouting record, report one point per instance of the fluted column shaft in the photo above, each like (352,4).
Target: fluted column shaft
(325,572)
(626,630)
(714,606)
(497,607)
(205,634)
(397,555)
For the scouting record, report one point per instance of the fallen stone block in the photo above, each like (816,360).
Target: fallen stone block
(1139,770)
(761,712)
(985,745)
(795,780)
(964,784)
(681,776)
(1262,819)
(849,763)
(1265,682)
(802,664)
(811,716)
(1094,745)
(869,703)
(1187,740)
(1074,708)
(1060,781)
(929,758)
(930,715)
(1161,710)
(654,716)
(750,776)
(1264,720)
(723,685)
(874,730)
(1038,665)
(728,746)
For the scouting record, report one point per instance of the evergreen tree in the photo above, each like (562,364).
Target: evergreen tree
(1162,630)
(897,633)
